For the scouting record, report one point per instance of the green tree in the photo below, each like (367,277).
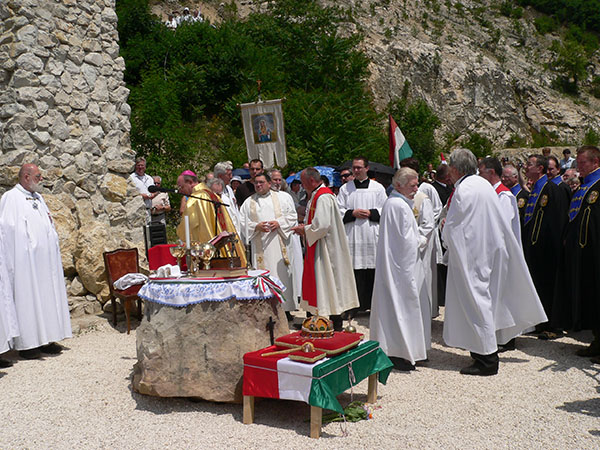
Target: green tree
(570,61)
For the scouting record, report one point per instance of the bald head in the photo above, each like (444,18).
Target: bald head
(30,177)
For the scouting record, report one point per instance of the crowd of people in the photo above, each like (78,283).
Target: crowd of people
(175,19)
(507,249)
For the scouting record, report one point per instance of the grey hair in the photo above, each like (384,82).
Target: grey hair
(222,168)
(464,161)
(214,181)
(270,172)
(156,177)
(513,170)
(403,176)
(312,173)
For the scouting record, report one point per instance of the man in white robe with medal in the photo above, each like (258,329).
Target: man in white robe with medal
(396,314)
(266,219)
(326,281)
(490,297)
(360,202)
(32,255)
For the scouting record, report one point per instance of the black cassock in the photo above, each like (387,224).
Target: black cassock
(541,238)
(577,298)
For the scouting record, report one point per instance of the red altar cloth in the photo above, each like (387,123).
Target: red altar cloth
(159,255)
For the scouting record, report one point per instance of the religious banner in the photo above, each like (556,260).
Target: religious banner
(264,132)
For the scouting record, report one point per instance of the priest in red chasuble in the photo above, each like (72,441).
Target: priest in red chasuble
(327,281)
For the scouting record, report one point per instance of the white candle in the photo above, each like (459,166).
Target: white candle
(186,220)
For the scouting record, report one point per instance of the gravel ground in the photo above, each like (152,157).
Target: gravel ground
(543,397)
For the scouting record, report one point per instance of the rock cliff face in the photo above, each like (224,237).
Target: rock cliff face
(477,69)
(63,107)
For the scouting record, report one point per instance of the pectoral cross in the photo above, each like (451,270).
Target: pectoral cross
(271,328)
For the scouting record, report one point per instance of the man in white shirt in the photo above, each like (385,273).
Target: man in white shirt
(142,181)
(568,161)
(360,202)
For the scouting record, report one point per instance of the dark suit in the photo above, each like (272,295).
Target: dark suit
(542,231)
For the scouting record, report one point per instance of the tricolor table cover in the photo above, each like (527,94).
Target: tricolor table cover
(181,292)
(317,384)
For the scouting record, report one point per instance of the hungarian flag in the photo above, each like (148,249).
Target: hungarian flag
(399,148)
(318,384)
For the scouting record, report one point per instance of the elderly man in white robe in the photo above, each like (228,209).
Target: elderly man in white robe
(224,171)
(396,314)
(490,297)
(360,202)
(34,265)
(326,284)
(266,219)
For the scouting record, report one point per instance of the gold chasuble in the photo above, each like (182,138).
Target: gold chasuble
(202,220)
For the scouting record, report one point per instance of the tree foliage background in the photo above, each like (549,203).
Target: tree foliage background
(186,84)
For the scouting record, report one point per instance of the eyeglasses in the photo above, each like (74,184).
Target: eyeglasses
(344,175)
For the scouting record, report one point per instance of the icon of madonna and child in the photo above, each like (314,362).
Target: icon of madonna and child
(263,128)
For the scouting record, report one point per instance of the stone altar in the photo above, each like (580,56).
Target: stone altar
(197,350)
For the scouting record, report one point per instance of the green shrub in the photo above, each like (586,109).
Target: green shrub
(479,145)
(545,24)
(591,138)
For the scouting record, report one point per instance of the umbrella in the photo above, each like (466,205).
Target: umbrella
(380,172)
(330,172)
(244,174)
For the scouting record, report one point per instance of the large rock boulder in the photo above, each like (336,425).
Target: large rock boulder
(197,351)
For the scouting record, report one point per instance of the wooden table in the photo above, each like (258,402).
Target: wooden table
(317,384)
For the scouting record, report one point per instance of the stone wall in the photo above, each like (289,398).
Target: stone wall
(63,106)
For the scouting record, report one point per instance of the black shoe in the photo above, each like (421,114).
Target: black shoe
(479,370)
(51,349)
(550,335)
(4,363)
(592,350)
(510,345)
(32,353)
(402,364)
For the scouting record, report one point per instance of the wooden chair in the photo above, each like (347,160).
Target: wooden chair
(118,263)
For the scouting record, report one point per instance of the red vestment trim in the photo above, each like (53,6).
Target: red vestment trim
(309,284)
(502,188)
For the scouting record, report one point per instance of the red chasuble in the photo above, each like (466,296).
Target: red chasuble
(309,285)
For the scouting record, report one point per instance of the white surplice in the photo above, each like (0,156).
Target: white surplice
(396,316)
(336,288)
(510,210)
(228,197)
(362,234)
(273,250)
(490,297)
(435,243)
(426,227)
(33,261)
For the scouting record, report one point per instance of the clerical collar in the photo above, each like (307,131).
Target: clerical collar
(312,194)
(362,184)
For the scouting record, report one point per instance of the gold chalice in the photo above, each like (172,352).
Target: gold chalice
(178,252)
(196,253)
(207,252)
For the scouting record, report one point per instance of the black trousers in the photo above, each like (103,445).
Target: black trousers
(365,278)
(442,275)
